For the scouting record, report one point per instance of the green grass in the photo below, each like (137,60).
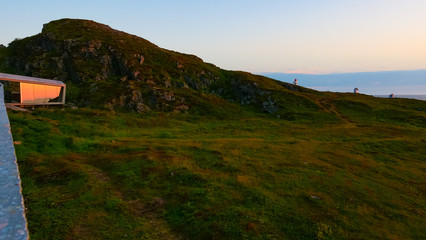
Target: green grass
(358,172)
(319,166)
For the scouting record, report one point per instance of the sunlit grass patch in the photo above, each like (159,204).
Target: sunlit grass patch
(198,178)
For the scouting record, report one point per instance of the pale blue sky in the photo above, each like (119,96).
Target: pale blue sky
(308,36)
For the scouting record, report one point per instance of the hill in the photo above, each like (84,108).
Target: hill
(110,69)
(165,146)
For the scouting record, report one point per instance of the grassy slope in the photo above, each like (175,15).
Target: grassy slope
(333,166)
(357,174)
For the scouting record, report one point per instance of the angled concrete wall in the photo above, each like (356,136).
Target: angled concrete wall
(13,224)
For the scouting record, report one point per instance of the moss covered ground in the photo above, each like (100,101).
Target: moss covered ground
(354,171)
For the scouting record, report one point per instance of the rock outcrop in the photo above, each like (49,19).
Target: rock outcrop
(111,69)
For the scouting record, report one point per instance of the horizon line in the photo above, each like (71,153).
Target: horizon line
(331,73)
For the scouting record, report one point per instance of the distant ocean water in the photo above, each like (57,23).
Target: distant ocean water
(418,97)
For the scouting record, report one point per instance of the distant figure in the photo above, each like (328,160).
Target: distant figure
(295,81)
(391,96)
(356,90)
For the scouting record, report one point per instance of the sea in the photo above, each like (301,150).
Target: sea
(418,97)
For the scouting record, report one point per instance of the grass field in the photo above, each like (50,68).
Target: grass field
(93,174)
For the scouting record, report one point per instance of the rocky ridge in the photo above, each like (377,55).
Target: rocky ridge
(111,69)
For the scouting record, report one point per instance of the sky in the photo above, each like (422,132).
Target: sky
(410,82)
(303,36)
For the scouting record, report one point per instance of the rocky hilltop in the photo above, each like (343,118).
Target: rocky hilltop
(107,68)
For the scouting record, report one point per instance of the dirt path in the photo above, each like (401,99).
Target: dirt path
(330,108)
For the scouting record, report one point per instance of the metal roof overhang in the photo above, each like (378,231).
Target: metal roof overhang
(33,80)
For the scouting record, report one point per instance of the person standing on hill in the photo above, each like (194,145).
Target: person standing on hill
(295,81)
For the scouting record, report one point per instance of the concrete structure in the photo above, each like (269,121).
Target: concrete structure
(36,91)
(13,224)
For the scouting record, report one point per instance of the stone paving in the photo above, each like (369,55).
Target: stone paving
(13,224)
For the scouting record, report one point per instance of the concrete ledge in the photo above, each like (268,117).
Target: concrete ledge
(13,224)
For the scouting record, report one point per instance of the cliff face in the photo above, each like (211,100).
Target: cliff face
(107,68)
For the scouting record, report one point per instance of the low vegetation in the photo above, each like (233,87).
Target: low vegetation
(353,170)
(157,144)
